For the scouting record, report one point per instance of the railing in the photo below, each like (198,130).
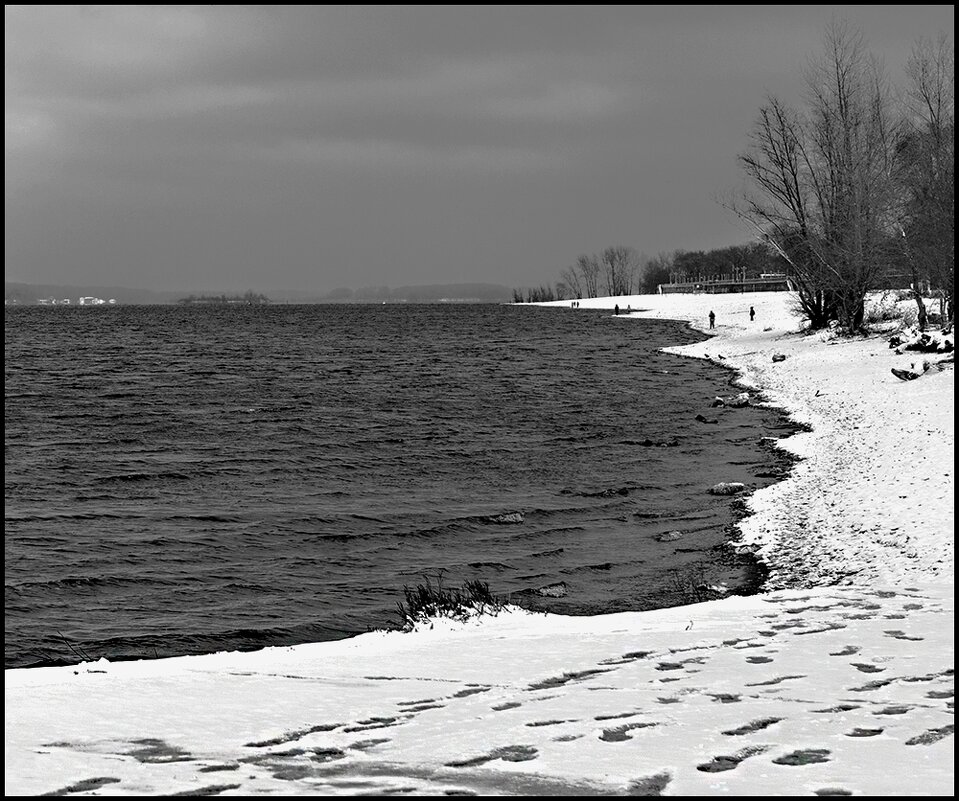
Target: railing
(728,285)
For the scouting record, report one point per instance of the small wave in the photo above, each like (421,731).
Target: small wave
(370,518)
(247,586)
(13,517)
(606,493)
(651,443)
(89,582)
(123,477)
(549,553)
(209,517)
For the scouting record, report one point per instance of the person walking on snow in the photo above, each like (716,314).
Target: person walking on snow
(712,319)
(752,314)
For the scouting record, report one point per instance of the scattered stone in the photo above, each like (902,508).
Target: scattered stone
(779,357)
(670,536)
(905,375)
(734,401)
(727,488)
(557,590)
(923,341)
(508,518)
(703,419)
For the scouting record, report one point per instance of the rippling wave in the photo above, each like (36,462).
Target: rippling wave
(181,480)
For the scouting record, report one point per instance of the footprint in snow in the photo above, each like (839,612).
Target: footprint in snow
(749,728)
(858,732)
(509,753)
(806,756)
(730,762)
(619,735)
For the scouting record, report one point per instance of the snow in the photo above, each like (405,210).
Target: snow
(837,680)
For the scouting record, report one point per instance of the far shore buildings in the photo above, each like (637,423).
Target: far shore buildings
(86,300)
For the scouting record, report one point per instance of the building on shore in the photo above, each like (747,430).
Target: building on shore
(722,285)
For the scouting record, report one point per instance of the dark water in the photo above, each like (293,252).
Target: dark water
(183,480)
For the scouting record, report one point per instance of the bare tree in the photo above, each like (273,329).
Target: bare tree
(589,269)
(620,264)
(826,195)
(570,277)
(927,170)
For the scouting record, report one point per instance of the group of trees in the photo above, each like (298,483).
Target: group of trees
(613,272)
(249,298)
(537,294)
(622,270)
(854,191)
(858,184)
(740,261)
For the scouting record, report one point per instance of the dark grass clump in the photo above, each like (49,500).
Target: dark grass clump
(689,585)
(427,601)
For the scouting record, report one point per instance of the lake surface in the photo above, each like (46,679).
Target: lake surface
(190,479)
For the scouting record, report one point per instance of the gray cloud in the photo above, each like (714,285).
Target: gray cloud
(312,147)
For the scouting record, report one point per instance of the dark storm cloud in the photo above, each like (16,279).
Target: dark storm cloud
(312,147)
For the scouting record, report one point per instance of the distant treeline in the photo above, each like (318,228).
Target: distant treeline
(248,298)
(622,270)
(425,293)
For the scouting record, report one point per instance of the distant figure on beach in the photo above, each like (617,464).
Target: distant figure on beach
(712,319)
(616,310)
(752,314)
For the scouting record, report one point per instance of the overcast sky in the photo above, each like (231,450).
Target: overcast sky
(233,148)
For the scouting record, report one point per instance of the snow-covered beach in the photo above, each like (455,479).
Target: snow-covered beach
(837,680)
